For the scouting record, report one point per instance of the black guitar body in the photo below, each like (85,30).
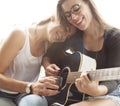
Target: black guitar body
(65,59)
(66,62)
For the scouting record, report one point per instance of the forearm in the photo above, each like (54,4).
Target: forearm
(110,85)
(46,62)
(12,84)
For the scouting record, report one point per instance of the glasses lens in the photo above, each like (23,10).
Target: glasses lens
(68,15)
(75,9)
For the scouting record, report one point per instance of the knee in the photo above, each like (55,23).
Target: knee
(83,103)
(33,100)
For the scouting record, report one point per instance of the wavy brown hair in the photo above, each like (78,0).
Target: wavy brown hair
(91,5)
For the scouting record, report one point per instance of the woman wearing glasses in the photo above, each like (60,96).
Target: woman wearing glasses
(97,40)
(20,61)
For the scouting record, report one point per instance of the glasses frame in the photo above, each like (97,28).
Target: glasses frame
(73,10)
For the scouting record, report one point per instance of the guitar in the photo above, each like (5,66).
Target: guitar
(81,63)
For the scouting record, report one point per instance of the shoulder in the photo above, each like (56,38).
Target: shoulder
(112,37)
(15,38)
(17,33)
(112,33)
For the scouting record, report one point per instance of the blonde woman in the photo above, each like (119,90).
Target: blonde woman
(20,60)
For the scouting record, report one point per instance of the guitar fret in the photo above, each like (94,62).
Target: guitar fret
(98,75)
(72,76)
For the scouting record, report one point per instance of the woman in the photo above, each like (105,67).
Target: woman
(97,40)
(20,60)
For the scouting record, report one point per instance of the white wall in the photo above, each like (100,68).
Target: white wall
(110,11)
(24,12)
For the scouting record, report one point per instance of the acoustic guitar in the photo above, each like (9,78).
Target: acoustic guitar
(81,63)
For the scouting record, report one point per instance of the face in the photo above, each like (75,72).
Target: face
(56,32)
(77,13)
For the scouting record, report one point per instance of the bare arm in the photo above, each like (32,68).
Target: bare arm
(8,51)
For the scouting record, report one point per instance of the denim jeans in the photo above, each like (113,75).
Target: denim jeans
(114,96)
(22,100)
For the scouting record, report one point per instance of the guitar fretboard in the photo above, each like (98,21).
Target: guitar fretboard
(97,75)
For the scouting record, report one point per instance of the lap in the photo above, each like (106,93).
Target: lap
(32,100)
(114,99)
(6,102)
(99,101)
(22,100)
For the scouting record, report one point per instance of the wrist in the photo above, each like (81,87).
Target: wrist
(28,88)
(46,62)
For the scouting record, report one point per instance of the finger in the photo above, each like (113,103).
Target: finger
(55,67)
(49,73)
(78,84)
(51,70)
(45,89)
(52,92)
(51,86)
(48,85)
(49,92)
(84,77)
(50,79)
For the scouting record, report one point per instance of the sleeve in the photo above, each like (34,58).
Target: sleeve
(113,56)
(113,49)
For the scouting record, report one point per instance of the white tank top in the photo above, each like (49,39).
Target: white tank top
(25,67)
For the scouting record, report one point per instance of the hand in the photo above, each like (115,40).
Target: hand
(84,85)
(52,70)
(45,86)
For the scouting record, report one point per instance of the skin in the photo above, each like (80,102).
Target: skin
(51,32)
(93,41)
(85,22)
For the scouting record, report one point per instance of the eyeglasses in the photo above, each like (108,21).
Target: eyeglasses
(74,10)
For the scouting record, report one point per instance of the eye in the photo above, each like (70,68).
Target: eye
(76,8)
(68,14)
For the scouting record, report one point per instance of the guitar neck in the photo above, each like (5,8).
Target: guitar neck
(97,75)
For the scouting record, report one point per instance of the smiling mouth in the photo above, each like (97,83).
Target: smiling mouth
(80,20)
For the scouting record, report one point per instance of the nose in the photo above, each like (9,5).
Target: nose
(74,16)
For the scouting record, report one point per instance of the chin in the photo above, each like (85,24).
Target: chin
(83,28)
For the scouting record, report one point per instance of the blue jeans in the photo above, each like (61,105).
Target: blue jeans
(22,100)
(114,96)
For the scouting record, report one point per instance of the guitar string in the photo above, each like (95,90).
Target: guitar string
(84,51)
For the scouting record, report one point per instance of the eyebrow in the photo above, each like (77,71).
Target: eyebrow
(72,7)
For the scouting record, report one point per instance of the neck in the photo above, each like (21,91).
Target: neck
(37,39)
(94,31)
(93,37)
(41,32)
